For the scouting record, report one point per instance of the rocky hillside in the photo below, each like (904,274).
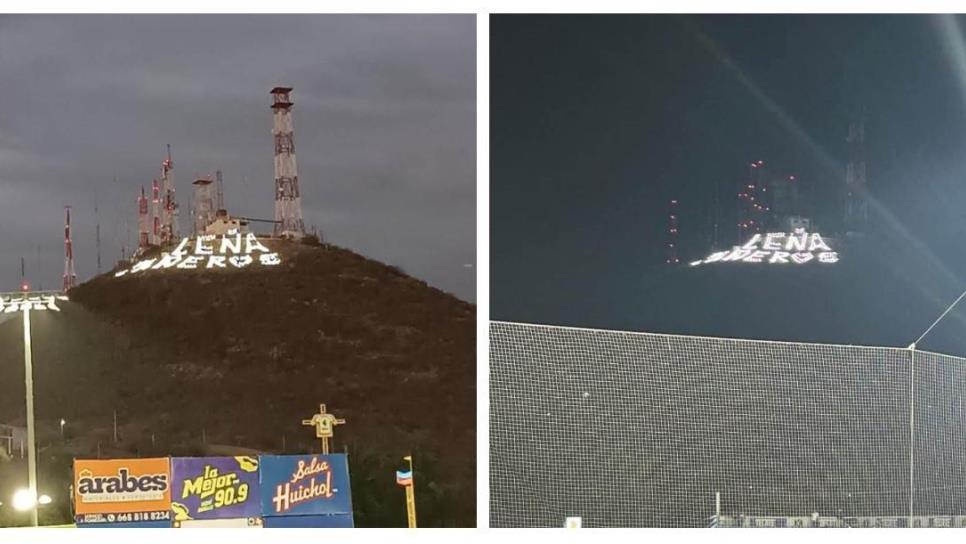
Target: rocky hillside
(201,361)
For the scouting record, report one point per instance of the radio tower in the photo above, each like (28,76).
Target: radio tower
(70,278)
(169,206)
(672,233)
(856,208)
(144,224)
(220,189)
(288,203)
(204,205)
(750,203)
(155,225)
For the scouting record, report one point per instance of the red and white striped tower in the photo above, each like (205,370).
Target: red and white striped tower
(288,203)
(169,206)
(70,278)
(154,238)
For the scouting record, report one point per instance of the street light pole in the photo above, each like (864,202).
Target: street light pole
(31,441)
(24,302)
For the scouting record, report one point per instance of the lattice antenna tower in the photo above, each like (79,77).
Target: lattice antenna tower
(144,222)
(70,277)
(288,203)
(749,202)
(169,206)
(672,233)
(220,191)
(204,205)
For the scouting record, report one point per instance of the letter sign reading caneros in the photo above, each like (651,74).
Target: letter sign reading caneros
(214,488)
(294,485)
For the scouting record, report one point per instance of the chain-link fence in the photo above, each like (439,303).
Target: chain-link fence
(634,429)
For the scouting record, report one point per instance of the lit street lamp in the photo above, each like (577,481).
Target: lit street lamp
(62,423)
(26,499)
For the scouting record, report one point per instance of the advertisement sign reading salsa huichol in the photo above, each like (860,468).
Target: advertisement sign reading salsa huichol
(214,488)
(122,491)
(298,485)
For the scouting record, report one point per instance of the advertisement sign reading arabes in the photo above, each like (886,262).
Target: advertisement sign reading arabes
(214,488)
(296,485)
(122,490)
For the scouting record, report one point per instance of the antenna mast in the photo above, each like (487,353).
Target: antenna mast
(70,278)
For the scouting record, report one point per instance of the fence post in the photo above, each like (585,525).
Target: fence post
(912,428)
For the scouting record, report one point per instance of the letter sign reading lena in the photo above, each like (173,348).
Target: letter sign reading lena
(232,250)
(797,247)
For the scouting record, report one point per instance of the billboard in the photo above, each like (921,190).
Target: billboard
(299,485)
(104,523)
(214,488)
(122,490)
(331,521)
(227,523)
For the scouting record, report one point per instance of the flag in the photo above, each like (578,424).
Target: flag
(404,477)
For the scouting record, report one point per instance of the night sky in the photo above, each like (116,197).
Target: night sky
(597,121)
(384,119)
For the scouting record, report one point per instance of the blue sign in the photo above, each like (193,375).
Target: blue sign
(330,521)
(214,488)
(128,525)
(299,485)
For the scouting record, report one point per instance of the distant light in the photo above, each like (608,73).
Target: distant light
(44,499)
(24,500)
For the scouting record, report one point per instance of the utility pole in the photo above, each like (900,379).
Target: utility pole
(31,440)
(411,495)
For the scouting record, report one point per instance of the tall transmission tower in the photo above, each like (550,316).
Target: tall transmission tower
(204,205)
(70,278)
(220,191)
(144,222)
(288,203)
(856,207)
(672,233)
(169,206)
(154,237)
(750,199)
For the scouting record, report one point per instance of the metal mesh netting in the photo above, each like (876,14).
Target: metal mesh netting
(634,429)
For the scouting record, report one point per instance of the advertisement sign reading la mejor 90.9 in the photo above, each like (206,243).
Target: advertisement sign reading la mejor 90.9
(214,488)
(299,485)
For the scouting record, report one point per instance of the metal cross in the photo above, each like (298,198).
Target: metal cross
(324,424)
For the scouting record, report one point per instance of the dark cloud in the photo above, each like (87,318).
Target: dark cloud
(384,125)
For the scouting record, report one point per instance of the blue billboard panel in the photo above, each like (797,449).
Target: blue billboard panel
(299,485)
(329,521)
(215,488)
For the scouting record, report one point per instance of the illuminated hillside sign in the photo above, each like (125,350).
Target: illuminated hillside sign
(210,251)
(797,247)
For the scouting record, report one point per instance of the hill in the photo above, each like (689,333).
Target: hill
(201,361)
